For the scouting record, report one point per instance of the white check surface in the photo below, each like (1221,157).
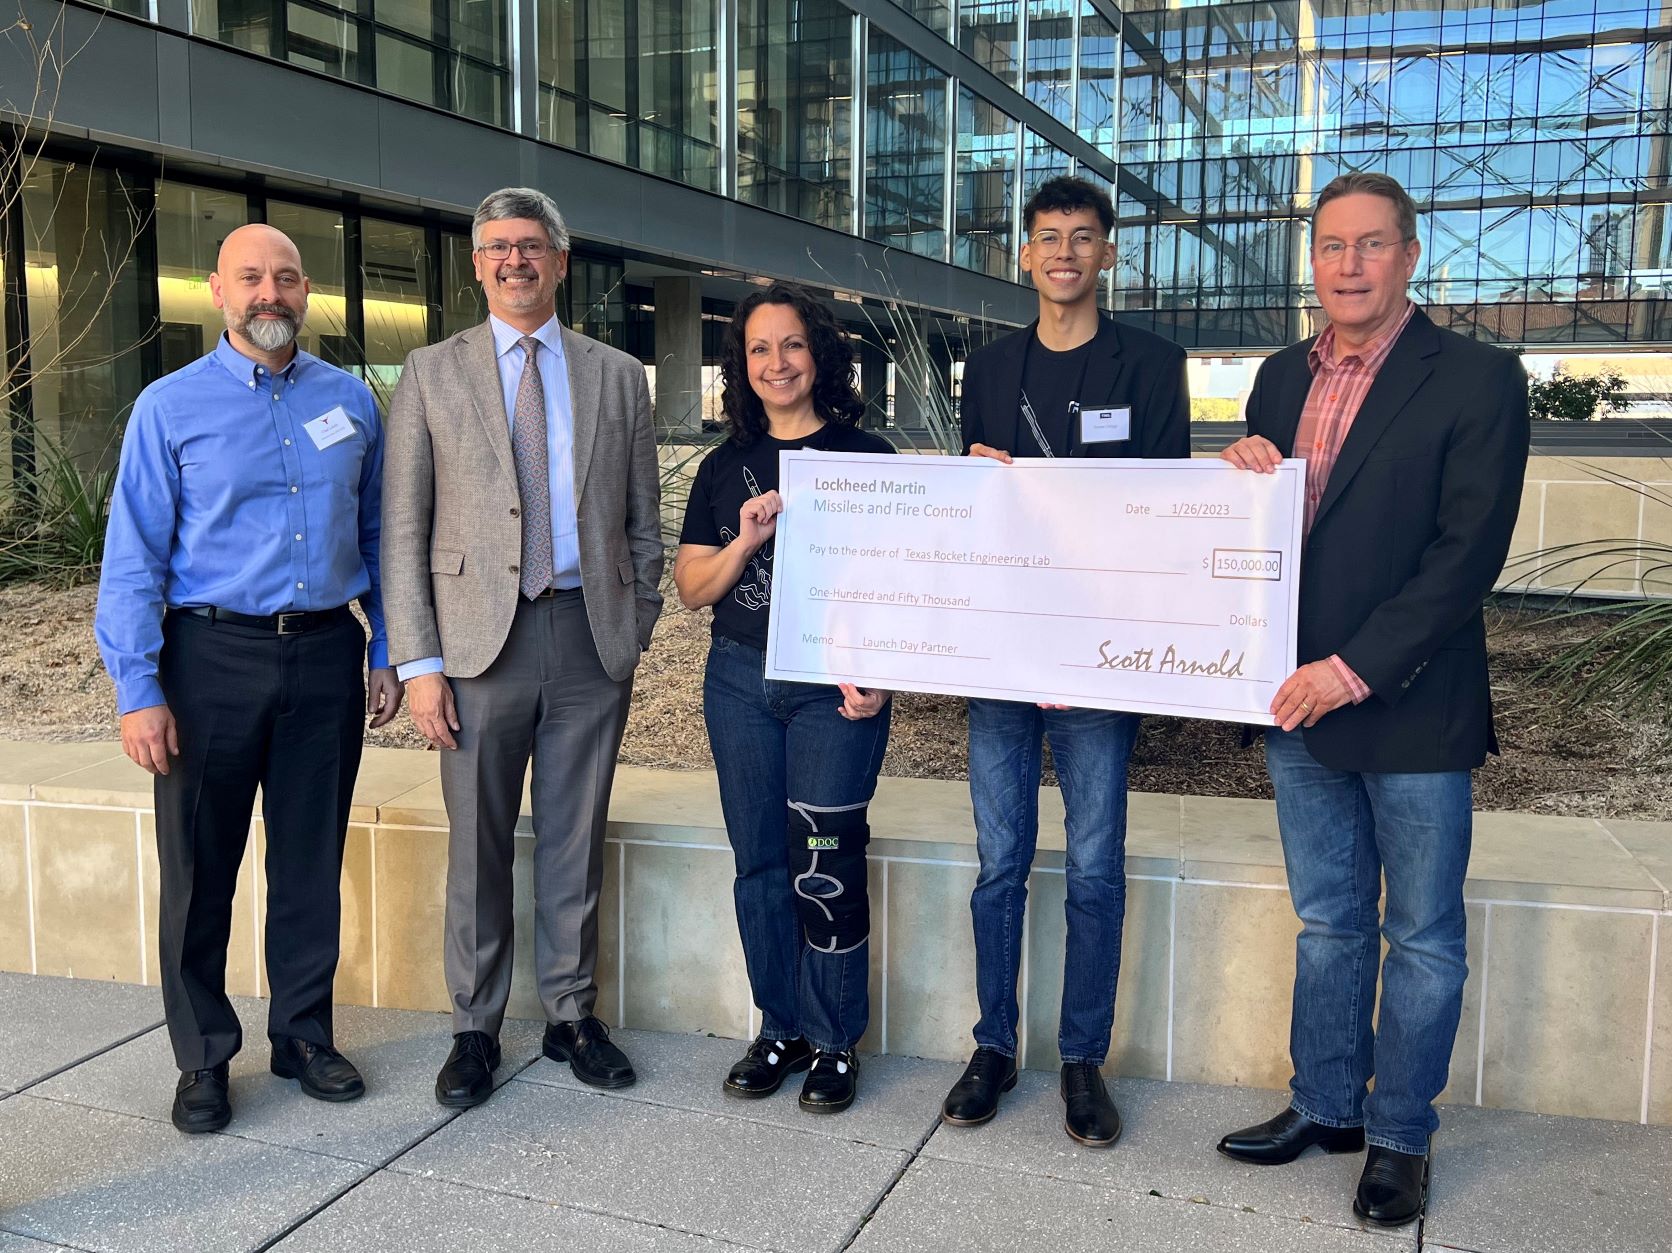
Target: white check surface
(1162,587)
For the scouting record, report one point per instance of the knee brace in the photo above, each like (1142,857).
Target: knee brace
(827,870)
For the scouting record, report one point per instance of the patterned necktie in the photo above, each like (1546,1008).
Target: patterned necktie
(528,450)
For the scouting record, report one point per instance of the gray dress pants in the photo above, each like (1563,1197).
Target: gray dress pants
(546,695)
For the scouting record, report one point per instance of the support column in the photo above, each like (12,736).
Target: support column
(679,354)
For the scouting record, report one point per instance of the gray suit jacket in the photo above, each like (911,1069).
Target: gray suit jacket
(452,534)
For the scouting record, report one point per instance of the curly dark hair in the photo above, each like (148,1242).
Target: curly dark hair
(1068,195)
(834,397)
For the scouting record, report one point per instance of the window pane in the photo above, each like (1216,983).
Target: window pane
(988,30)
(597,300)
(191,224)
(1099,51)
(1041,159)
(985,198)
(462,306)
(1050,61)
(406,69)
(394,269)
(795,108)
(318,235)
(82,281)
(905,149)
(935,14)
(327,42)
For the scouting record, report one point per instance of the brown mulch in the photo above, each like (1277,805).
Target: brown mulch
(1594,762)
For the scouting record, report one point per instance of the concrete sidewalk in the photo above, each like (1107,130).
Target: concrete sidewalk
(88,1159)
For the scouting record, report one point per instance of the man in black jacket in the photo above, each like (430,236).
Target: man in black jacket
(1074,384)
(1415,442)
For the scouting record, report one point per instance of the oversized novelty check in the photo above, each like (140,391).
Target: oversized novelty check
(1153,586)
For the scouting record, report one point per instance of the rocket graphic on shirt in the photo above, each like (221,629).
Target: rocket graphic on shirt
(754,589)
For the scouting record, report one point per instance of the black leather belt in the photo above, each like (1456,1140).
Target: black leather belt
(278,623)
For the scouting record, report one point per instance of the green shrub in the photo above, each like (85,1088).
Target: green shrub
(1575,397)
(53,528)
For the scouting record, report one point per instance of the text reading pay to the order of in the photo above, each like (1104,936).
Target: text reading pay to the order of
(1163,587)
(331,427)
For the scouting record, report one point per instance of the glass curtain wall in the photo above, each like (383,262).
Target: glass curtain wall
(795,108)
(115,292)
(906,148)
(453,54)
(984,200)
(633,82)
(1237,113)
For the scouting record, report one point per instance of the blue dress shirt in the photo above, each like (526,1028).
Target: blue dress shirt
(223,498)
(560,450)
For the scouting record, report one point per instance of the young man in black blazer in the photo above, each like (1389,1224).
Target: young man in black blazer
(1074,384)
(1415,441)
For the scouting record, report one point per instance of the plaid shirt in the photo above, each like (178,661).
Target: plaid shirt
(1338,389)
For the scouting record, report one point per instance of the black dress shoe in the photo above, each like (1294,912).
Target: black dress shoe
(1090,1115)
(975,1097)
(467,1077)
(586,1046)
(200,1101)
(831,1083)
(761,1070)
(324,1073)
(1393,1188)
(1282,1139)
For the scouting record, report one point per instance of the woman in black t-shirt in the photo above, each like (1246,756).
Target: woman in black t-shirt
(797,762)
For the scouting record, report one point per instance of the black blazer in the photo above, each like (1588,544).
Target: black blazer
(1127,367)
(1409,538)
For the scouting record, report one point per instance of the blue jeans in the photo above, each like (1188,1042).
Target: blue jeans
(775,743)
(1342,834)
(1090,748)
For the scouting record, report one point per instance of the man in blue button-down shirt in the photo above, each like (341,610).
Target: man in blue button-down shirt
(244,520)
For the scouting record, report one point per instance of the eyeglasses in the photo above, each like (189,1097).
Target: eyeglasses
(1049,243)
(531,249)
(1372,250)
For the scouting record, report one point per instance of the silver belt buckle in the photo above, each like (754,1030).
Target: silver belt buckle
(287,619)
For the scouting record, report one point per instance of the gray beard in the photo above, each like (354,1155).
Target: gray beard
(269,336)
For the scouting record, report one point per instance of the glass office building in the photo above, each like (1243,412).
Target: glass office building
(1535,135)
(877,149)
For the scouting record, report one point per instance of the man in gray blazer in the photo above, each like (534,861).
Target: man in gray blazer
(521,557)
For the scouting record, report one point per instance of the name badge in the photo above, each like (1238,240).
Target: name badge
(1100,426)
(330,428)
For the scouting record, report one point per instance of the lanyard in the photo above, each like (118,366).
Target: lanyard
(1032,418)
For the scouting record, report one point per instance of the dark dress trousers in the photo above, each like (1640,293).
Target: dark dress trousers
(1127,367)
(1410,536)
